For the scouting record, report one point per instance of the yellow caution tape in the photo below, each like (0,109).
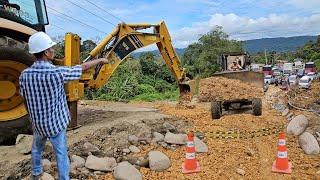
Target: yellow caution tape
(242,134)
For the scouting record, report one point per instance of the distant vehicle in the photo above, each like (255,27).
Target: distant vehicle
(312,75)
(293,80)
(267,70)
(298,64)
(300,73)
(287,68)
(255,67)
(276,71)
(268,79)
(310,67)
(305,82)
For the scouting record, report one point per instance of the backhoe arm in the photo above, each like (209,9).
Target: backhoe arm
(123,40)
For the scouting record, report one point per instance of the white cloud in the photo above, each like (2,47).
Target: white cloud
(312,5)
(241,27)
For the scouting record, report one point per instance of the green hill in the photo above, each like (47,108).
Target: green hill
(280,44)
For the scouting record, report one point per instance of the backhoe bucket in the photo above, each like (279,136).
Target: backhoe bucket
(251,77)
(185,92)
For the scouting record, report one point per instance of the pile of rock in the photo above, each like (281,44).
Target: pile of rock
(124,161)
(297,126)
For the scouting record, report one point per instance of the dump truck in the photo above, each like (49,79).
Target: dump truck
(20,20)
(238,101)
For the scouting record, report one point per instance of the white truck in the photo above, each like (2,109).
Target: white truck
(287,68)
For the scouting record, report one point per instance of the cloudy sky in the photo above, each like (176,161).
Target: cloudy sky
(187,19)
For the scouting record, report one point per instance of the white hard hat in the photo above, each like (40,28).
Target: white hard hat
(40,41)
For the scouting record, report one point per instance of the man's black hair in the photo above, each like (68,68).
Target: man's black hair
(39,55)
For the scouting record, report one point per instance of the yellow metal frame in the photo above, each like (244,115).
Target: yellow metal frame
(74,89)
(129,35)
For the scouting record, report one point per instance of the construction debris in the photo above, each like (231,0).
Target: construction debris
(220,88)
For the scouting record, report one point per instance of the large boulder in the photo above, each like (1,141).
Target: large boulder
(77,161)
(297,125)
(126,171)
(134,149)
(24,143)
(100,164)
(158,161)
(175,138)
(157,137)
(200,146)
(88,147)
(309,143)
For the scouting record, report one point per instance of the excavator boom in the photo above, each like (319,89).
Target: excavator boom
(123,40)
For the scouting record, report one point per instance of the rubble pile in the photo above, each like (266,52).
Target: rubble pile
(220,88)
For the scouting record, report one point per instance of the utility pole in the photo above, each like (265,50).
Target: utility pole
(265,55)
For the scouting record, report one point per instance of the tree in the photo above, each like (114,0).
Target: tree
(201,58)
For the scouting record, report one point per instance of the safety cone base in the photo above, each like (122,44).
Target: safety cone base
(286,171)
(186,171)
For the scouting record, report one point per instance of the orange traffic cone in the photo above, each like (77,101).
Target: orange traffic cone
(190,165)
(282,164)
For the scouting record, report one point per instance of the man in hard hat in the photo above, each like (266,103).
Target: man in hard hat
(235,66)
(42,86)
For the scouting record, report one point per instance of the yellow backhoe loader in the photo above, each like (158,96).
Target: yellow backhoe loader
(20,20)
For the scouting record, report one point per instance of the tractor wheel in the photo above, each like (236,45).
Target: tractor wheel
(216,109)
(14,58)
(257,107)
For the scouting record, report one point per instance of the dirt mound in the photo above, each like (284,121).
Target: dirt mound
(220,88)
(307,99)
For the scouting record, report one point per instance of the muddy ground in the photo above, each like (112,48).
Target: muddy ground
(108,124)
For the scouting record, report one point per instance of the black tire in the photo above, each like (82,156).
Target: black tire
(257,107)
(216,109)
(11,49)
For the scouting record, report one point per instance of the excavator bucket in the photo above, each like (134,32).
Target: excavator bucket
(251,77)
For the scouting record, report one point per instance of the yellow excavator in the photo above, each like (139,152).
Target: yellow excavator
(19,20)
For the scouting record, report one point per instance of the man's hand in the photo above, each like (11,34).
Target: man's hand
(89,64)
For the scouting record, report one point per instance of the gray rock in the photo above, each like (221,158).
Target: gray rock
(126,150)
(88,147)
(132,160)
(175,138)
(309,143)
(163,144)
(133,139)
(285,112)
(24,143)
(157,137)
(46,165)
(240,171)
(297,125)
(126,171)
(46,176)
(134,149)
(169,127)
(143,162)
(158,161)
(100,164)
(200,146)
(77,161)
(200,135)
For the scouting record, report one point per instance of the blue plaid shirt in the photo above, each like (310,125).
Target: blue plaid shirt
(42,86)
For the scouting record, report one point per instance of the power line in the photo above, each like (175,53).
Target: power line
(57,27)
(104,10)
(90,12)
(76,20)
